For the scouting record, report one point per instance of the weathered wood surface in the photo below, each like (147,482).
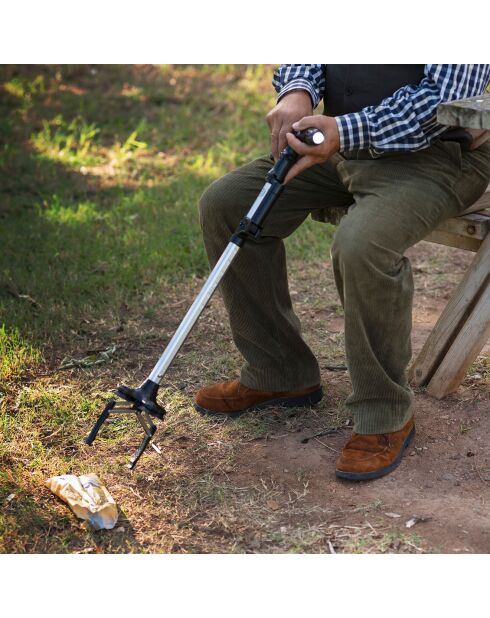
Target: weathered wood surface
(474,225)
(472,113)
(449,239)
(465,232)
(465,348)
(454,317)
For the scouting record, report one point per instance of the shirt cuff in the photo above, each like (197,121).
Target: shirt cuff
(300,84)
(353,131)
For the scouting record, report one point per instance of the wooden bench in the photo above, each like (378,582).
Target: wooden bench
(464,326)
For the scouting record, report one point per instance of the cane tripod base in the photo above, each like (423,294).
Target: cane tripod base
(138,401)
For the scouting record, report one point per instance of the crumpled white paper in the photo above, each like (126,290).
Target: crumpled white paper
(87,498)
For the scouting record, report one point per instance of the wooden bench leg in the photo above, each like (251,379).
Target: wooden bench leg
(464,349)
(454,317)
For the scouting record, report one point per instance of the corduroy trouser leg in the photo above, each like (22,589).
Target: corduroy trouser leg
(397,200)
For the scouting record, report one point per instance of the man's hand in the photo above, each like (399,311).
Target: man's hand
(292,107)
(311,155)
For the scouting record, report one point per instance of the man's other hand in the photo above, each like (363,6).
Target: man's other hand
(292,107)
(312,155)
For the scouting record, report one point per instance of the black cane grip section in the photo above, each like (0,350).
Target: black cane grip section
(100,421)
(281,167)
(311,136)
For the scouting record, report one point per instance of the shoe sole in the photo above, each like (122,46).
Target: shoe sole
(366,476)
(286,402)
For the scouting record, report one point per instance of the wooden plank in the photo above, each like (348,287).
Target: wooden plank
(472,113)
(453,317)
(474,225)
(465,348)
(454,240)
(475,208)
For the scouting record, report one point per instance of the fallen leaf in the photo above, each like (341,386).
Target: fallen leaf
(394,515)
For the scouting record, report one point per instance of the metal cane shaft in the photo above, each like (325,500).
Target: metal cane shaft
(142,400)
(202,299)
(193,313)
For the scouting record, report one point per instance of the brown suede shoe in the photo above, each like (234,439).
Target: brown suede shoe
(230,399)
(367,457)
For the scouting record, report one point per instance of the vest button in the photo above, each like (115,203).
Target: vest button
(348,91)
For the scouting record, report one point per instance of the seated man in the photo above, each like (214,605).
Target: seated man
(385,153)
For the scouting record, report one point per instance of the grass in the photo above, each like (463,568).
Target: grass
(101,171)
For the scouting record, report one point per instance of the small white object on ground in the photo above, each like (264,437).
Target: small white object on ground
(87,498)
(415,520)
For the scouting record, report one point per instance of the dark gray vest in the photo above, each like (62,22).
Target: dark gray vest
(350,87)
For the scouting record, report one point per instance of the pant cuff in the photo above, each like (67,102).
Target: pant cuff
(379,416)
(267,379)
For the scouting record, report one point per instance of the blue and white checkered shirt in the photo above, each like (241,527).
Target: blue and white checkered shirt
(404,121)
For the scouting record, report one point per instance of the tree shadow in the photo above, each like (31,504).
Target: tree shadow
(75,245)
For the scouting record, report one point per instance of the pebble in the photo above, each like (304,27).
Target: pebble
(447,477)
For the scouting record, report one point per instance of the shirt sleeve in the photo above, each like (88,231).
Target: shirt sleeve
(407,120)
(309,77)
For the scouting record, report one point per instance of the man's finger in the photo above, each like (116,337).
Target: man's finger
(307,122)
(282,141)
(302,164)
(275,142)
(298,146)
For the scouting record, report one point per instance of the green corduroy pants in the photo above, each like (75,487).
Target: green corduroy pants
(396,201)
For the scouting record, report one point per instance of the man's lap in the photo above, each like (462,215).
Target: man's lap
(398,198)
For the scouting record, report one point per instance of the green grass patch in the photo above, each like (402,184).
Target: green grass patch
(16,355)
(101,171)
(104,170)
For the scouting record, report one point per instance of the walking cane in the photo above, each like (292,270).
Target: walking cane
(142,401)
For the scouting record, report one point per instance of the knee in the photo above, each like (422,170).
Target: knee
(348,247)
(211,206)
(220,206)
(354,248)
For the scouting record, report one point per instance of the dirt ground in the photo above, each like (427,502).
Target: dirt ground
(265,483)
(444,479)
